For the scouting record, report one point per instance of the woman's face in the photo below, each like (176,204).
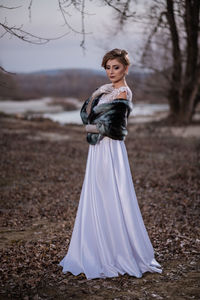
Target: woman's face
(115,70)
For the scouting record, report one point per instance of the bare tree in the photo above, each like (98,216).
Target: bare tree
(178,22)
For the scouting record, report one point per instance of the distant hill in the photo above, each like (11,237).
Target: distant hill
(77,83)
(54,72)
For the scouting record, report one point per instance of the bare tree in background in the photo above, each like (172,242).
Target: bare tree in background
(179,22)
(173,47)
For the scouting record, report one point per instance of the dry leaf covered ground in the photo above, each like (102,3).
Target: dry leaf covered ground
(42,168)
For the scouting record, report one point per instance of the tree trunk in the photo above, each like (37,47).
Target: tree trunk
(175,84)
(190,100)
(184,88)
(191,80)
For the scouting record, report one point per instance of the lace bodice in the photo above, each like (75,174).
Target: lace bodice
(114,93)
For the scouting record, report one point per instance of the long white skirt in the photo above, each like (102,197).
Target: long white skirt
(109,237)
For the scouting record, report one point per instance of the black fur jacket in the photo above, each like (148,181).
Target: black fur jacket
(110,119)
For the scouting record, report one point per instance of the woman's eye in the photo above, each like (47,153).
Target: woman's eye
(116,68)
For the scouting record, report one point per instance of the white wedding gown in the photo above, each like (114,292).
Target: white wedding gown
(109,237)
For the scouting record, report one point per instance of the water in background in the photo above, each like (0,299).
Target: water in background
(43,108)
(139,110)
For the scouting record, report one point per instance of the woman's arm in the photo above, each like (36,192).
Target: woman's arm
(91,128)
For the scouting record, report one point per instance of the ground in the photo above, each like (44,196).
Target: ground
(42,168)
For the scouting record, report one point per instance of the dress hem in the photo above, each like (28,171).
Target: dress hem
(150,268)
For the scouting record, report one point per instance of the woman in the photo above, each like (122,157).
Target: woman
(109,237)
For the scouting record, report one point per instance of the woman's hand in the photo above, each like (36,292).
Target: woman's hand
(91,128)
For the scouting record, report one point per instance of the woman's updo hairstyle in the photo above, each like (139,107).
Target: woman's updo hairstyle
(119,54)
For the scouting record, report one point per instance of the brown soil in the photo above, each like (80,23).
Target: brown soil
(42,169)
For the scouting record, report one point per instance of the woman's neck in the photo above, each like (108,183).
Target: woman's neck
(120,83)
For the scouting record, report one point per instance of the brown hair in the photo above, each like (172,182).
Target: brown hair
(119,54)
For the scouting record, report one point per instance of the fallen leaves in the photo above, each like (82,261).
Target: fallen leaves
(40,185)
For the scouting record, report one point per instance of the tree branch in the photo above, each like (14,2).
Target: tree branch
(176,52)
(25,36)
(6,7)
(82,44)
(29,8)
(153,32)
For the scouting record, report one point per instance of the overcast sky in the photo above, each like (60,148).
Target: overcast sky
(18,56)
